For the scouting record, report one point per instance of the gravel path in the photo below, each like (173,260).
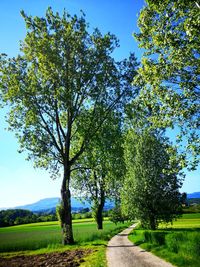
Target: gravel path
(123,253)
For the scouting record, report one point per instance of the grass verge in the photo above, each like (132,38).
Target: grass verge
(179,244)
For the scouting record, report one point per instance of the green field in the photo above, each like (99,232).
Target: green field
(48,235)
(45,237)
(186,221)
(178,243)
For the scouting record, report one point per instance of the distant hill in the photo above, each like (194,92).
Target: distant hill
(43,204)
(193,195)
(49,205)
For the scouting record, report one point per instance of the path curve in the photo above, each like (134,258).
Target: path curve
(121,252)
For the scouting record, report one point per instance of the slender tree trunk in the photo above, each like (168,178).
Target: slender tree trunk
(66,218)
(99,218)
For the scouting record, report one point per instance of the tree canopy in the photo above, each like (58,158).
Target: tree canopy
(60,90)
(151,187)
(100,171)
(169,74)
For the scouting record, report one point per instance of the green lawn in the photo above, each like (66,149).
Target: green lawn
(178,243)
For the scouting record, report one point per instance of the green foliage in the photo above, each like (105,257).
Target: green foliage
(58,81)
(59,92)
(15,216)
(169,73)
(100,171)
(116,215)
(150,191)
(18,216)
(58,87)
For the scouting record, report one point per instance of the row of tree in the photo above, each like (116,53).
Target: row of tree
(11,217)
(19,216)
(100,123)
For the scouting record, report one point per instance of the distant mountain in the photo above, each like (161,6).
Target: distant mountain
(43,204)
(194,195)
(49,205)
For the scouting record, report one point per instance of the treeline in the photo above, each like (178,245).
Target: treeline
(19,216)
(12,217)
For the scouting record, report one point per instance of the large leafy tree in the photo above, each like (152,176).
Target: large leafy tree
(151,187)
(170,69)
(100,171)
(59,91)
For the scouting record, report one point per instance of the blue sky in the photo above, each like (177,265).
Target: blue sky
(19,182)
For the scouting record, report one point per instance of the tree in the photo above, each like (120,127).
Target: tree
(150,191)
(59,91)
(116,215)
(15,216)
(104,167)
(169,74)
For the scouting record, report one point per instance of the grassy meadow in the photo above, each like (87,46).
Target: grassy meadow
(45,237)
(178,243)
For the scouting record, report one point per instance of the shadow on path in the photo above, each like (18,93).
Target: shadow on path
(121,246)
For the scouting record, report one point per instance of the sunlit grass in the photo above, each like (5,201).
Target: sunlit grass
(178,243)
(186,221)
(48,235)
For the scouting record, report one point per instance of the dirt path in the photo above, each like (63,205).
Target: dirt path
(123,253)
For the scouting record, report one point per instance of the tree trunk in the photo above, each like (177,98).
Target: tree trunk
(99,218)
(99,214)
(152,222)
(66,218)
